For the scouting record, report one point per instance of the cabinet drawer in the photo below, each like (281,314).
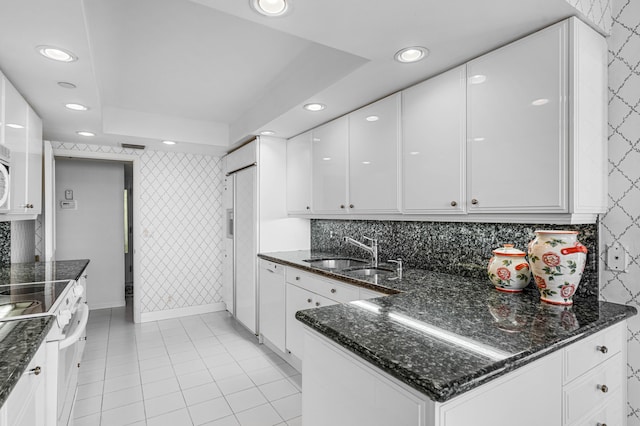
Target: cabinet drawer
(611,414)
(596,388)
(331,289)
(586,354)
(271,266)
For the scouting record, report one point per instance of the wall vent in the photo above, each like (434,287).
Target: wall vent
(132,146)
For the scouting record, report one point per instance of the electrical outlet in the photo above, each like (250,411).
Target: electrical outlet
(616,258)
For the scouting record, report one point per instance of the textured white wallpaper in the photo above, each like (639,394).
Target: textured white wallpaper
(621,223)
(597,11)
(180,235)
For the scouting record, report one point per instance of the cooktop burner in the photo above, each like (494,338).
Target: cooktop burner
(29,299)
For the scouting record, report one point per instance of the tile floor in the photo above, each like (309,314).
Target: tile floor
(197,370)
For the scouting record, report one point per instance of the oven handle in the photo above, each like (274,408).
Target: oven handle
(82,325)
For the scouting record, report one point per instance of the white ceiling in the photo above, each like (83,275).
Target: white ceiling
(209,73)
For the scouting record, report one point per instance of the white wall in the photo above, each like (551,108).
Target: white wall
(180,232)
(95,230)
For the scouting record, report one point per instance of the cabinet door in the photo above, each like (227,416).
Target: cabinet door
(34,163)
(299,174)
(517,129)
(297,300)
(329,151)
(272,303)
(373,156)
(434,141)
(16,140)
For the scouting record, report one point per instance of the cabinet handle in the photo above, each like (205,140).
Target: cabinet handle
(603,388)
(308,208)
(297,278)
(36,371)
(474,201)
(342,206)
(317,303)
(351,206)
(333,290)
(308,300)
(602,349)
(601,424)
(453,204)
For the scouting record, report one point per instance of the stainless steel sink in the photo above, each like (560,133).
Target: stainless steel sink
(369,272)
(337,263)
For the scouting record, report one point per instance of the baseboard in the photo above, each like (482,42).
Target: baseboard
(182,312)
(106,305)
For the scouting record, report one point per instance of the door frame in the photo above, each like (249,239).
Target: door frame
(50,223)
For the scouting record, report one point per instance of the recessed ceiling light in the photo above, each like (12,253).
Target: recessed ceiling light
(415,153)
(480,139)
(267,132)
(77,107)
(15,126)
(478,79)
(366,162)
(66,85)
(372,118)
(326,158)
(411,54)
(314,107)
(271,7)
(168,142)
(539,102)
(85,133)
(57,54)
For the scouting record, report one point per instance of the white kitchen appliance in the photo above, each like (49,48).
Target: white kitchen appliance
(256,220)
(5,183)
(65,300)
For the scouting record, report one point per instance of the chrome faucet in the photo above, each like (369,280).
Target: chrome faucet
(372,249)
(398,262)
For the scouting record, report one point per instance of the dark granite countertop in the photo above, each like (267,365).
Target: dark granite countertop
(19,342)
(443,334)
(33,272)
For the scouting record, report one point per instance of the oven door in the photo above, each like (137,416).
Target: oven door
(70,350)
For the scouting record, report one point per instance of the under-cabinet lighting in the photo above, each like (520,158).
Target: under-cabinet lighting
(540,102)
(480,139)
(15,126)
(77,107)
(168,142)
(411,54)
(372,118)
(56,53)
(414,153)
(478,79)
(314,107)
(326,158)
(367,306)
(366,162)
(85,133)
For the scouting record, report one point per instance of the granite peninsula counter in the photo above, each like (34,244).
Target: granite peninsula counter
(444,335)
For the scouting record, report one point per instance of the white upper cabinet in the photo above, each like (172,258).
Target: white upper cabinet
(299,174)
(434,141)
(15,138)
(374,135)
(34,163)
(517,115)
(330,147)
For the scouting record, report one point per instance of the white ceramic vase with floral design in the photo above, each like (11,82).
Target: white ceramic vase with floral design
(508,270)
(557,260)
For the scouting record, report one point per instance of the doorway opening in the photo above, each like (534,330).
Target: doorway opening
(94,220)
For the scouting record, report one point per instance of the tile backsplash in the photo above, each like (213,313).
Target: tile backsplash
(449,247)
(5,243)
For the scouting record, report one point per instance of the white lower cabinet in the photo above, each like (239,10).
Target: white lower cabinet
(26,404)
(340,388)
(272,303)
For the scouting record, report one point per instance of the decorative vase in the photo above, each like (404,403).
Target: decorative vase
(508,270)
(557,260)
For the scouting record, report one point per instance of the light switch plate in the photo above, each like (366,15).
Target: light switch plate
(616,258)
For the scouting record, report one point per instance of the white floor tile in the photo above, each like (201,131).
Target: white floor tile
(225,371)
(157,374)
(226,421)
(123,415)
(163,387)
(255,363)
(265,375)
(191,380)
(264,415)
(92,420)
(122,397)
(180,357)
(164,404)
(175,418)
(209,410)
(235,384)
(189,367)
(278,389)
(295,422)
(289,407)
(150,364)
(201,393)
(118,383)
(90,389)
(85,407)
(243,400)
